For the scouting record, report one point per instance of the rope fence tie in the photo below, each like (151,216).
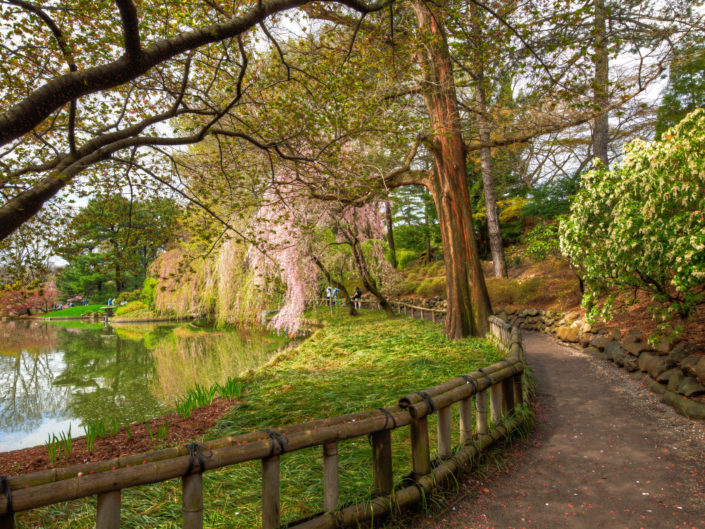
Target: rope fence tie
(430,407)
(387,417)
(195,451)
(489,380)
(510,364)
(470,381)
(276,439)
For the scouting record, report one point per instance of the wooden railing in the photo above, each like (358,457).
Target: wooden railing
(418,312)
(500,383)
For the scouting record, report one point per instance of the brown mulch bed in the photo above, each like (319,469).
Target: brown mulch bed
(638,316)
(181,431)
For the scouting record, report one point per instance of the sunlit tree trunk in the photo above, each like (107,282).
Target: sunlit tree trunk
(390,234)
(600,135)
(468,300)
(496,244)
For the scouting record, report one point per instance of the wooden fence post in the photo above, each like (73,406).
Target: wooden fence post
(330,476)
(466,420)
(7,521)
(108,511)
(270,493)
(420,452)
(192,501)
(508,395)
(518,390)
(481,405)
(445,447)
(382,462)
(496,402)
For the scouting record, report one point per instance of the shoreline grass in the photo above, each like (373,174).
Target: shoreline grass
(72,312)
(351,365)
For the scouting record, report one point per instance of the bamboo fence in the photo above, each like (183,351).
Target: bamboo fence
(502,382)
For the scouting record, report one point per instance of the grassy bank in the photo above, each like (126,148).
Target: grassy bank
(73,312)
(351,365)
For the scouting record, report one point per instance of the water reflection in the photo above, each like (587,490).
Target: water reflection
(53,377)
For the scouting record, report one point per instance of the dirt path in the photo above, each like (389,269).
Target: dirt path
(605,454)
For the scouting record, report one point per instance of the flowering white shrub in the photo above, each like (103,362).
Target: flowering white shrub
(641,225)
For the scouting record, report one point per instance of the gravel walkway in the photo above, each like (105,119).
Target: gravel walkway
(605,454)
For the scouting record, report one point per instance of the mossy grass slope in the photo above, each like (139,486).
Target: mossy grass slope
(350,365)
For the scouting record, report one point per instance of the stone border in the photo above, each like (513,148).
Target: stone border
(674,369)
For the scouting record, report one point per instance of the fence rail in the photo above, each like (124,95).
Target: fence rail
(500,383)
(415,311)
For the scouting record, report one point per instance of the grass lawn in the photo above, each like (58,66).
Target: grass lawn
(351,365)
(72,312)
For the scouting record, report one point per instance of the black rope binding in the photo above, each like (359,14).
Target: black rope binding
(195,452)
(489,380)
(387,417)
(430,408)
(510,364)
(276,439)
(470,381)
(5,484)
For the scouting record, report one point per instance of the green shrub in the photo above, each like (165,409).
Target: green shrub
(132,295)
(409,286)
(404,257)
(431,287)
(437,269)
(542,242)
(132,306)
(640,225)
(147,293)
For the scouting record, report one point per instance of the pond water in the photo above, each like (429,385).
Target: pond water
(64,374)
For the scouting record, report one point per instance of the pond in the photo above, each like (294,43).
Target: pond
(61,375)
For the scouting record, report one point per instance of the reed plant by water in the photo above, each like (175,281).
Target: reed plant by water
(231,389)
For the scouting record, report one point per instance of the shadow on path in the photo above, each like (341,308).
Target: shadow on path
(605,454)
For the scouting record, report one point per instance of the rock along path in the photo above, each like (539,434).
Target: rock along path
(605,454)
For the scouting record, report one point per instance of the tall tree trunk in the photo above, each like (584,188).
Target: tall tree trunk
(118,277)
(600,135)
(496,244)
(427,234)
(468,300)
(390,234)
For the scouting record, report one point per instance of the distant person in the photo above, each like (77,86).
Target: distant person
(335,296)
(329,294)
(357,296)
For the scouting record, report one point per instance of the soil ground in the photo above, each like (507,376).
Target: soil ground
(180,431)
(605,454)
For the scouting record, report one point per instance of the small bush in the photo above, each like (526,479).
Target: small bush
(132,295)
(147,294)
(132,306)
(409,286)
(431,287)
(542,242)
(404,257)
(437,269)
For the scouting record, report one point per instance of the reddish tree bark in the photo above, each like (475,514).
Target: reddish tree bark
(468,300)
